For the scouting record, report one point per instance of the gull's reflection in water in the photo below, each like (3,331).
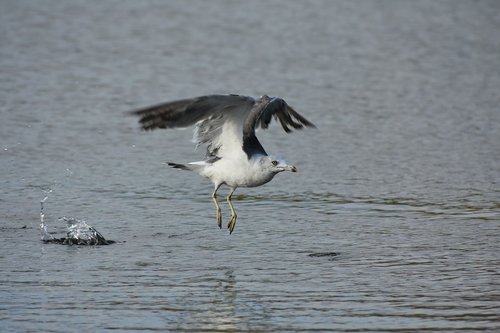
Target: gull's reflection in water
(222,313)
(234,308)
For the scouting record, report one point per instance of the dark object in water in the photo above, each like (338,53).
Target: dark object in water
(75,241)
(324,254)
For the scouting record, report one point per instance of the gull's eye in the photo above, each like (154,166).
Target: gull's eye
(275,163)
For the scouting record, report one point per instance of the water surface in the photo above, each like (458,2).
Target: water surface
(392,223)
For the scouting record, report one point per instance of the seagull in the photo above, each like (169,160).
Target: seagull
(226,124)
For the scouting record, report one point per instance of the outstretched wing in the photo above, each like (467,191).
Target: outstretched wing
(218,119)
(261,114)
(187,112)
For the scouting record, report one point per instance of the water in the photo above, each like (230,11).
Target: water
(391,224)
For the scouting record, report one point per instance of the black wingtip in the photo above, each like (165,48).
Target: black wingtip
(143,123)
(310,125)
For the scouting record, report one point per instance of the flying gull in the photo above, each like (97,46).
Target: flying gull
(227,124)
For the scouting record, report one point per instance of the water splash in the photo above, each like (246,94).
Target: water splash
(44,234)
(81,233)
(78,231)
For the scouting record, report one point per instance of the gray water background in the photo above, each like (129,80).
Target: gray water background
(400,180)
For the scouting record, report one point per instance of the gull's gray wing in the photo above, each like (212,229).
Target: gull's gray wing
(187,112)
(261,114)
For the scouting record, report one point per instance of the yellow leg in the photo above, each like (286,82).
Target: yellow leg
(219,215)
(232,221)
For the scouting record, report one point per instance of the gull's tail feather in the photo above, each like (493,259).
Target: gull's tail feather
(178,166)
(193,166)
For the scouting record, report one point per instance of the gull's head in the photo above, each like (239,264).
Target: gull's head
(278,165)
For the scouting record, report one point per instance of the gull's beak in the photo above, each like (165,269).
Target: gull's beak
(283,166)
